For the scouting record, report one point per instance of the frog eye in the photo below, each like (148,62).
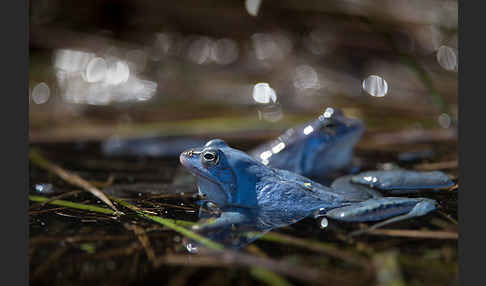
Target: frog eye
(209,157)
(330,125)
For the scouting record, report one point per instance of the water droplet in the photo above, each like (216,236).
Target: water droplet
(324,223)
(40,93)
(375,86)
(44,188)
(191,248)
(447,58)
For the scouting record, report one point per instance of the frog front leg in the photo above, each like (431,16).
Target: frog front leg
(208,209)
(225,219)
(389,209)
(403,181)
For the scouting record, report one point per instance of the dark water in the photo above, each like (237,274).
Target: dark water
(71,247)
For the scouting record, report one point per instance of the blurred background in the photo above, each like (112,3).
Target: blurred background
(123,68)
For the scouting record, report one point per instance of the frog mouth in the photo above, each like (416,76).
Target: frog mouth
(195,171)
(203,178)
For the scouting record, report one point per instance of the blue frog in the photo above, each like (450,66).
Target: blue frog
(325,145)
(252,195)
(314,149)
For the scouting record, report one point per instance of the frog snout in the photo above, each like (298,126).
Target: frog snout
(183,158)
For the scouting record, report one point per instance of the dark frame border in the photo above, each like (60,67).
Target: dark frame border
(15,124)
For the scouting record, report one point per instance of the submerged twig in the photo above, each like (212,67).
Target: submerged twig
(107,183)
(144,241)
(69,177)
(129,206)
(60,196)
(45,211)
(448,217)
(167,205)
(170,223)
(173,196)
(416,233)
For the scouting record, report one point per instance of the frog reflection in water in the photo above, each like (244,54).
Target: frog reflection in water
(255,197)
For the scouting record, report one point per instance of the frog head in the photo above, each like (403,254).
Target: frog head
(225,176)
(328,142)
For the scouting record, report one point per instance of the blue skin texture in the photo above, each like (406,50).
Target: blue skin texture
(253,196)
(314,149)
(402,181)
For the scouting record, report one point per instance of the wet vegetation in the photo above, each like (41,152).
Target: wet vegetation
(87,241)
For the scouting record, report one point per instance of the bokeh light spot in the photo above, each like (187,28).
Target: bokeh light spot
(447,58)
(263,93)
(95,70)
(305,77)
(375,86)
(252,6)
(40,93)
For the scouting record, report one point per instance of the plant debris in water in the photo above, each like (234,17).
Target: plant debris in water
(75,237)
